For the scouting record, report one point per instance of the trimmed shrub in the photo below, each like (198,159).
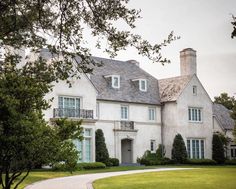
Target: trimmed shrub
(101,148)
(179,152)
(218,149)
(114,161)
(93,165)
(160,152)
(230,162)
(201,162)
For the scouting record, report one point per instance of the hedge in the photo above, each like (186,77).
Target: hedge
(201,162)
(114,161)
(93,165)
(230,162)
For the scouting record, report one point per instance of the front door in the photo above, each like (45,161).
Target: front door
(126,151)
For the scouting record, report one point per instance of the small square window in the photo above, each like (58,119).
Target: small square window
(194,90)
(143,85)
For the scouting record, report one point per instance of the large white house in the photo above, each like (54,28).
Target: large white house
(137,112)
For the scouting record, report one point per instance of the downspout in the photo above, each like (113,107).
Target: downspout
(162,131)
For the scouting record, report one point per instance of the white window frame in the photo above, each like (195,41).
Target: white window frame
(201,156)
(122,114)
(153,145)
(151,117)
(193,116)
(83,145)
(145,85)
(194,90)
(73,97)
(113,81)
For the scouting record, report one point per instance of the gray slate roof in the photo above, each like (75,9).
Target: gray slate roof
(171,88)
(129,90)
(222,115)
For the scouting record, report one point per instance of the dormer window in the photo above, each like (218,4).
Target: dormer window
(143,85)
(114,81)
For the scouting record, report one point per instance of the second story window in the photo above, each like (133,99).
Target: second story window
(195,114)
(143,85)
(68,106)
(124,112)
(116,81)
(151,114)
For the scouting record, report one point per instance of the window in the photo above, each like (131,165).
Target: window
(194,90)
(153,146)
(195,114)
(196,148)
(151,114)
(143,85)
(124,112)
(233,151)
(68,106)
(84,147)
(116,81)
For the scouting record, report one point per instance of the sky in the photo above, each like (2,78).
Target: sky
(203,25)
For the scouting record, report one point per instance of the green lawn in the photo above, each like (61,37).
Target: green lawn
(35,176)
(204,178)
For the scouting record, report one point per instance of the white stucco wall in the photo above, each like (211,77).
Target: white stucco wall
(175,118)
(81,88)
(145,130)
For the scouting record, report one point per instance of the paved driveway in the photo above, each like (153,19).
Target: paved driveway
(85,181)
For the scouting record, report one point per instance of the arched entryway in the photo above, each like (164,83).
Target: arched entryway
(126,151)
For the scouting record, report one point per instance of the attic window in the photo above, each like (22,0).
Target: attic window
(194,90)
(115,81)
(143,85)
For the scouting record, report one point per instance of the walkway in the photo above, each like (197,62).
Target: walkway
(85,181)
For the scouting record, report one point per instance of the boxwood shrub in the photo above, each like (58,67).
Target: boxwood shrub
(93,165)
(201,162)
(230,162)
(114,161)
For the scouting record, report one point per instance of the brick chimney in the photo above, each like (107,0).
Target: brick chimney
(188,63)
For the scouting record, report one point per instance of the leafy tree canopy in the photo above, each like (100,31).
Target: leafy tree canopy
(26,140)
(233,34)
(60,26)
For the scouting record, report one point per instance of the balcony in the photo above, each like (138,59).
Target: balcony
(127,125)
(72,113)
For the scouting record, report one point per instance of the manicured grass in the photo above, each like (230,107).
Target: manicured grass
(36,176)
(204,178)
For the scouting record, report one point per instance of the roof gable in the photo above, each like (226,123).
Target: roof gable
(171,88)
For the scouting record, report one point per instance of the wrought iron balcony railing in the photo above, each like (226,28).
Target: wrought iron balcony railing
(72,113)
(127,125)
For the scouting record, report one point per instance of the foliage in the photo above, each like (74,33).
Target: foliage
(152,159)
(229,103)
(114,161)
(26,140)
(62,26)
(201,162)
(230,162)
(233,34)
(179,152)
(217,149)
(160,152)
(94,165)
(226,100)
(101,148)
